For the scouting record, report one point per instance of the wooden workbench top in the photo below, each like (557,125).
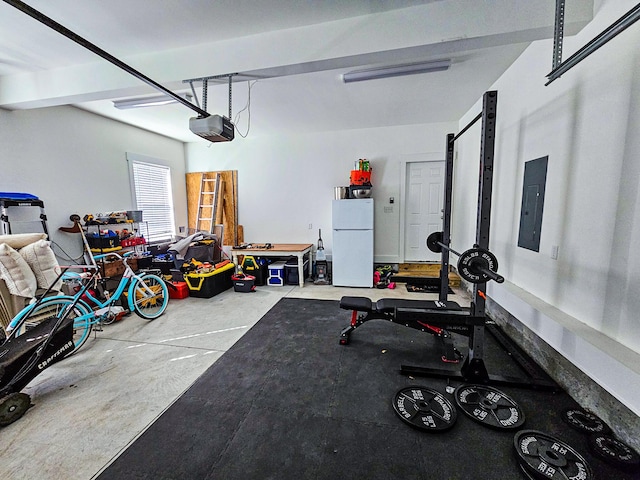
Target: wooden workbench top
(276,247)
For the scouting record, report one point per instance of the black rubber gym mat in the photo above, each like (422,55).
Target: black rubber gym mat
(288,402)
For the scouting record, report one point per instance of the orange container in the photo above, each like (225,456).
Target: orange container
(360,177)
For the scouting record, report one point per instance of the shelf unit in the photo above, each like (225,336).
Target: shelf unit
(136,227)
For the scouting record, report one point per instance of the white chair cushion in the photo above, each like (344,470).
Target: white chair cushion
(16,273)
(19,240)
(44,265)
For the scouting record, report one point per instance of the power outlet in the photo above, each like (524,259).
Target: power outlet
(554,252)
(310,226)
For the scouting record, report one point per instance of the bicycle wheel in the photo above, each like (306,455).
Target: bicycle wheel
(54,307)
(149,295)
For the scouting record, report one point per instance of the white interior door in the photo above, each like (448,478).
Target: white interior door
(423,208)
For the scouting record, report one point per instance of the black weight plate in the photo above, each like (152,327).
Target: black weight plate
(614,452)
(583,421)
(526,473)
(470,261)
(489,406)
(546,457)
(425,409)
(433,242)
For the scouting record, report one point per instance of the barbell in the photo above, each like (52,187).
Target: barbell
(475,265)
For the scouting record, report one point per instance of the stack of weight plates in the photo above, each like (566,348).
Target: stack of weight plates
(601,441)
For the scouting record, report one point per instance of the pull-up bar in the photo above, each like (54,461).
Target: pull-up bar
(469,125)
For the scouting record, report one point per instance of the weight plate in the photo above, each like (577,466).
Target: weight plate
(584,421)
(433,242)
(526,473)
(425,409)
(614,452)
(473,261)
(546,457)
(489,406)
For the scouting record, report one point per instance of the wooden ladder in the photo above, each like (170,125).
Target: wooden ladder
(211,196)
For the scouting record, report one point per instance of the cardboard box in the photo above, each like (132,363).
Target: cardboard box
(111,269)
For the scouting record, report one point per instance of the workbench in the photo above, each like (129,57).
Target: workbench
(298,250)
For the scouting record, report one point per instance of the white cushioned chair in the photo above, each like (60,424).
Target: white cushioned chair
(28,267)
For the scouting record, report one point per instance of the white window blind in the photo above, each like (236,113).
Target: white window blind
(152,188)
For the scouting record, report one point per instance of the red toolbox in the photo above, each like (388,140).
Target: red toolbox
(178,290)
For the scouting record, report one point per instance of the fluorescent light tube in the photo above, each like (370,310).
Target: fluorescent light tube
(396,71)
(148,101)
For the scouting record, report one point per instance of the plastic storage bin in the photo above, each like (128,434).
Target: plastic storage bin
(163,262)
(98,240)
(291,270)
(206,285)
(256,267)
(276,274)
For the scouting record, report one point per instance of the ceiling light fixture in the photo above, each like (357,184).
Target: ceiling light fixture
(396,71)
(149,101)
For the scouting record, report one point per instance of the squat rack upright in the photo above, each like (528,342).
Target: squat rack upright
(483,221)
(473,362)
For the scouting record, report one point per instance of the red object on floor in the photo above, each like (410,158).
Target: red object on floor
(178,290)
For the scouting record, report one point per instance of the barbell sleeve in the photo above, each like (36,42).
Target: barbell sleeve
(491,274)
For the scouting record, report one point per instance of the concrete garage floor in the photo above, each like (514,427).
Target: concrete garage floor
(91,406)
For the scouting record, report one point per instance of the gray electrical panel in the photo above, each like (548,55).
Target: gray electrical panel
(535,177)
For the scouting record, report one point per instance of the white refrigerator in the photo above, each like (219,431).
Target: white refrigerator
(352,250)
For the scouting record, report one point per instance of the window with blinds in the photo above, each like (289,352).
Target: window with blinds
(152,191)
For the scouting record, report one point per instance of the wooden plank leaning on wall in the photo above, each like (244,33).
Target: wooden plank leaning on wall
(227,215)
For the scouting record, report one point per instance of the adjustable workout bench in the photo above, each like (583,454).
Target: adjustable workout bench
(438,318)
(435,317)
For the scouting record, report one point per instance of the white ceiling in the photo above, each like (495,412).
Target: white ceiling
(297,49)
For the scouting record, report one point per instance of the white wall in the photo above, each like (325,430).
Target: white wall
(75,162)
(588,123)
(286,182)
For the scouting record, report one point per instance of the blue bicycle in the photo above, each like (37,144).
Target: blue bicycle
(147,295)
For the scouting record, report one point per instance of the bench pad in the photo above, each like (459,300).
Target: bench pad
(360,304)
(388,305)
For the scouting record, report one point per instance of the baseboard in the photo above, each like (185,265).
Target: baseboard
(580,386)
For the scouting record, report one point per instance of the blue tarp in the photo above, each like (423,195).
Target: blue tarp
(17,196)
